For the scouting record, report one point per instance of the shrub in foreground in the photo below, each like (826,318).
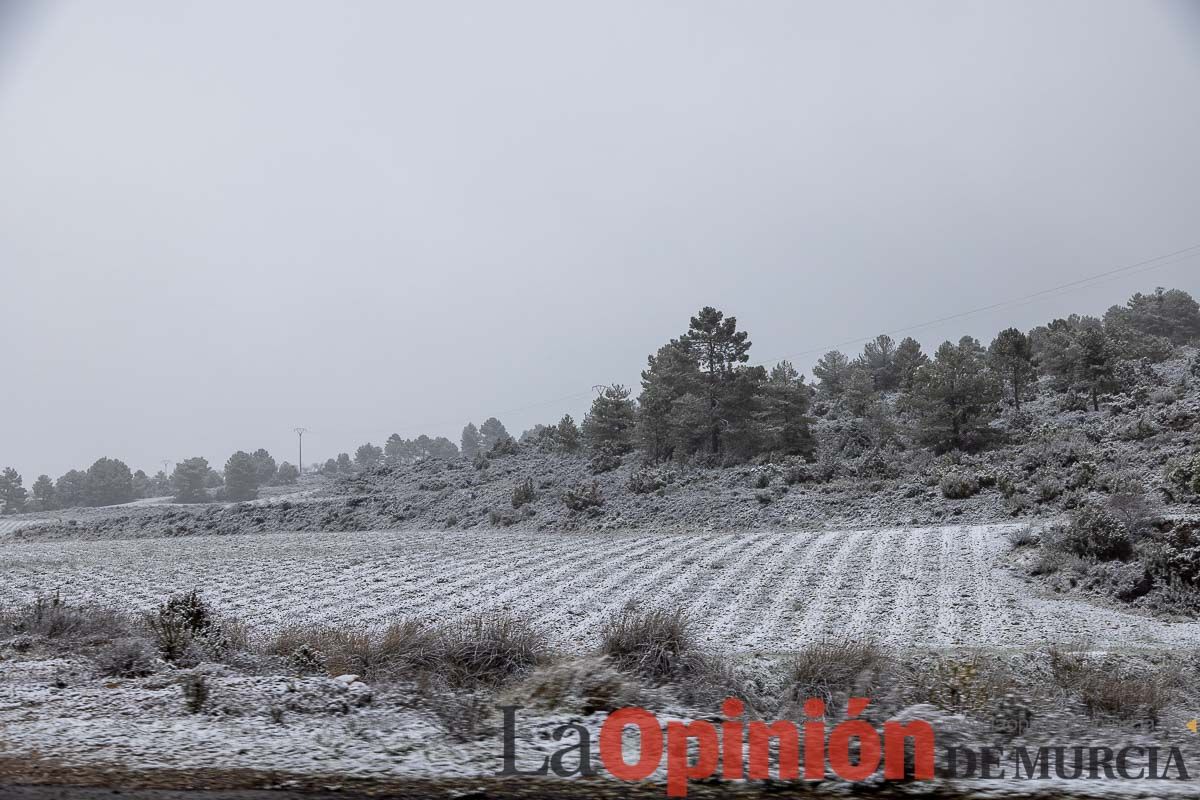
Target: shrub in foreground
(483,650)
(584,497)
(53,618)
(488,650)
(1092,533)
(125,658)
(657,644)
(1107,689)
(316,649)
(523,493)
(958,486)
(824,669)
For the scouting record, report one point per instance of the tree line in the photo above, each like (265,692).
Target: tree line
(702,401)
(109,481)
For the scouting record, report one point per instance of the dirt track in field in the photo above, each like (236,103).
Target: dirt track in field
(756,592)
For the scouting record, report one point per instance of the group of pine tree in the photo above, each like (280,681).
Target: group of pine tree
(702,400)
(109,481)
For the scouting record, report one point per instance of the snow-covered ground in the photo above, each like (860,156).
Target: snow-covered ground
(7,526)
(763,591)
(756,593)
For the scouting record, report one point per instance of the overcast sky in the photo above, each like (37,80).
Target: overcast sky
(220,220)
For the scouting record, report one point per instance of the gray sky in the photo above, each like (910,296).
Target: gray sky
(220,220)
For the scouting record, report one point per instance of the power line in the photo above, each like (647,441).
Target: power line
(1157,262)
(300,443)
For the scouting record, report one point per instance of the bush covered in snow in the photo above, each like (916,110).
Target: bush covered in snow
(958,485)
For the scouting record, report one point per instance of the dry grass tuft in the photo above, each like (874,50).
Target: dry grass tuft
(488,650)
(656,644)
(825,669)
(1109,689)
(483,650)
(323,648)
(53,618)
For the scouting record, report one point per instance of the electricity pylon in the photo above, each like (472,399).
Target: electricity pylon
(300,440)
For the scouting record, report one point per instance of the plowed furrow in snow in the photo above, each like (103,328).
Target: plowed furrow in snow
(824,615)
(907,618)
(784,590)
(419,588)
(573,567)
(698,574)
(793,631)
(728,618)
(958,616)
(567,608)
(756,604)
(768,592)
(615,586)
(873,582)
(447,599)
(523,589)
(416,575)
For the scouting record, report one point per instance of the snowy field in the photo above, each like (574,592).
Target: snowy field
(754,592)
(8,526)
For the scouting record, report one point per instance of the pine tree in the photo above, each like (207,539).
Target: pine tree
(472,441)
(831,372)
(443,448)
(393,448)
(214,479)
(71,489)
(109,482)
(1170,314)
(241,477)
(44,493)
(1012,359)
(909,359)
(160,484)
(720,349)
(1095,365)
(671,374)
(367,455)
(567,434)
(609,425)
(879,358)
(858,391)
(491,431)
(954,397)
(12,493)
(784,412)
(344,464)
(141,484)
(266,466)
(1055,348)
(189,480)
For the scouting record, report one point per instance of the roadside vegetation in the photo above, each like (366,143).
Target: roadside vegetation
(460,671)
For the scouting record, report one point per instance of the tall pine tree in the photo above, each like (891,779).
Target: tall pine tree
(1012,359)
(609,425)
(720,351)
(954,397)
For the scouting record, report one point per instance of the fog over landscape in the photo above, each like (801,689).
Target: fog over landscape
(712,399)
(220,221)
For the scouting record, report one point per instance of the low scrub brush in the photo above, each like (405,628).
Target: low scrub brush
(657,644)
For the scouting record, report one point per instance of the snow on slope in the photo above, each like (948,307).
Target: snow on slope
(754,592)
(9,525)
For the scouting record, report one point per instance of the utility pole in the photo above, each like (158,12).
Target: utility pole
(300,440)
(166,462)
